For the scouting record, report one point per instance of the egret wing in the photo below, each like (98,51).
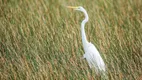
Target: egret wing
(93,58)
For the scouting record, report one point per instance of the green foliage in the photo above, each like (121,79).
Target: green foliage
(40,39)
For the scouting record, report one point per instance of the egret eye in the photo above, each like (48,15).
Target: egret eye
(79,8)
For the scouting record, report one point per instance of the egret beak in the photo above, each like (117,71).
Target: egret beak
(72,7)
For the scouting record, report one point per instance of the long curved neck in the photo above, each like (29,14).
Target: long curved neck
(84,39)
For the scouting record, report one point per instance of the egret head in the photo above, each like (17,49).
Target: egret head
(79,8)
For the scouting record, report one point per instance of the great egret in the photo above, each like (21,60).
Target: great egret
(92,55)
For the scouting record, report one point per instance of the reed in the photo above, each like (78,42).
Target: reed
(40,39)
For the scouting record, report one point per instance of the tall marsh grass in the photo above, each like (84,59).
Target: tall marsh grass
(41,40)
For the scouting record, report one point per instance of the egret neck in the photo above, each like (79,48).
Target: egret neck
(84,39)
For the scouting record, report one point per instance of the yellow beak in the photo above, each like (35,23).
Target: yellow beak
(72,7)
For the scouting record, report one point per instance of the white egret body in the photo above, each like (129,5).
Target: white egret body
(92,55)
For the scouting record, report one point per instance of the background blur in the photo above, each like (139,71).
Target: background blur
(40,39)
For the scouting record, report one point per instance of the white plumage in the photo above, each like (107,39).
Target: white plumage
(92,55)
(93,58)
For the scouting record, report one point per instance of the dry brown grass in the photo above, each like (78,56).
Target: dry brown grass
(40,39)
